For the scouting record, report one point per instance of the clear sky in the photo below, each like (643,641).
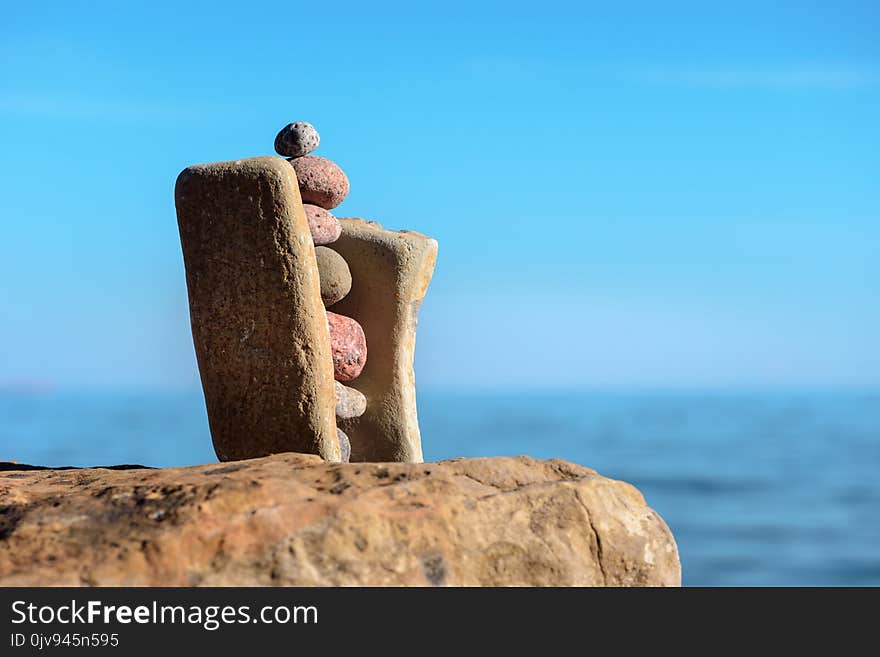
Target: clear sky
(633,193)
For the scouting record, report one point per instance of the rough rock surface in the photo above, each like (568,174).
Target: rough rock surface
(297,139)
(290,519)
(349,402)
(321,181)
(390,271)
(258,324)
(324,226)
(347,345)
(334,273)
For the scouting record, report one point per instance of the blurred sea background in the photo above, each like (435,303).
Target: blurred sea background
(759,487)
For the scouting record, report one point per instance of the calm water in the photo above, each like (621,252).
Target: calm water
(759,489)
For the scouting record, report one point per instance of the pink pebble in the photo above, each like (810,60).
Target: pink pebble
(325,228)
(321,181)
(348,345)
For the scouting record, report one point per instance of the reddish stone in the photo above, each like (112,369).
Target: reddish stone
(325,228)
(321,181)
(348,345)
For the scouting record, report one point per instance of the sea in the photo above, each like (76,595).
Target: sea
(760,488)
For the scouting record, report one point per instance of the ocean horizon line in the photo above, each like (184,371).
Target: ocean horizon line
(44,389)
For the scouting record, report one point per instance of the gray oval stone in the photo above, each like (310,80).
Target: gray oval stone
(335,275)
(350,403)
(297,139)
(344,446)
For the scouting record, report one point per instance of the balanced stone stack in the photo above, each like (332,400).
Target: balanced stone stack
(322,187)
(284,298)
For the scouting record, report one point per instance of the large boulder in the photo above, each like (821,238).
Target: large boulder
(291,519)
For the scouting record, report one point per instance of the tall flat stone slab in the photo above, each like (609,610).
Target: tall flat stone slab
(258,322)
(390,273)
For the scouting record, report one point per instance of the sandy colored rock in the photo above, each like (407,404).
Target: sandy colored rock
(293,520)
(390,273)
(258,324)
(348,346)
(321,181)
(334,274)
(325,228)
(349,402)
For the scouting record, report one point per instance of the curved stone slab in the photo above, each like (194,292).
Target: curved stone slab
(390,273)
(257,319)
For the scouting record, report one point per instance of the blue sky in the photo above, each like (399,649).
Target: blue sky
(630,193)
